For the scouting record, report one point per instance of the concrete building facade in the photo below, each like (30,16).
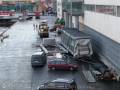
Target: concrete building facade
(101,20)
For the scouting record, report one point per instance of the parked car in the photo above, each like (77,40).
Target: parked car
(59,84)
(38,59)
(61,64)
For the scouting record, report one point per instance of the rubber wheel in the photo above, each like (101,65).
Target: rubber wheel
(53,68)
(71,69)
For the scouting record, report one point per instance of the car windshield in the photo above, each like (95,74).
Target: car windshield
(57,85)
(63,62)
(62,80)
(35,57)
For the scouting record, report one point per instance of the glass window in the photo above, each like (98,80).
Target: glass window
(62,85)
(106,9)
(90,7)
(51,85)
(118,11)
(77,6)
(62,62)
(67,40)
(72,43)
(51,62)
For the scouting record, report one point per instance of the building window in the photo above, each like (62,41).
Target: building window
(106,9)
(118,11)
(90,7)
(77,6)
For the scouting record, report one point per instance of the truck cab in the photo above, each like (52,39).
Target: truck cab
(43,29)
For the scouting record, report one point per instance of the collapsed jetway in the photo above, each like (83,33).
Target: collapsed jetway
(76,42)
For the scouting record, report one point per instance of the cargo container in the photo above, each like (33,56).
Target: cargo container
(76,42)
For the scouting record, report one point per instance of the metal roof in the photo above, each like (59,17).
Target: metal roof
(75,33)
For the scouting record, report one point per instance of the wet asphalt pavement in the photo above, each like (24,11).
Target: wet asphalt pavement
(16,72)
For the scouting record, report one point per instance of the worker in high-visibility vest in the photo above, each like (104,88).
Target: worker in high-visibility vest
(62,21)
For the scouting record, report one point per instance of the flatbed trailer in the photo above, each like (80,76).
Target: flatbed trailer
(52,50)
(51,47)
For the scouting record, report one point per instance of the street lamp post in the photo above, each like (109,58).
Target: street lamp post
(70,14)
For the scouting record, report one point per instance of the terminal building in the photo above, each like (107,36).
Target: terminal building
(101,20)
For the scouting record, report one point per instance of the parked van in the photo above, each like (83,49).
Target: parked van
(38,59)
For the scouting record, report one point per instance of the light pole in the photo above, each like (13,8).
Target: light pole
(71,7)
(70,14)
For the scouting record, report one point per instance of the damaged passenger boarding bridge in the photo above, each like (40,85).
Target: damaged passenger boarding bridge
(76,42)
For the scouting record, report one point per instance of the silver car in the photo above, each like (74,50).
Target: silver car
(59,84)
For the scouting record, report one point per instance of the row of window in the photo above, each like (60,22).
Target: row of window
(17,8)
(107,9)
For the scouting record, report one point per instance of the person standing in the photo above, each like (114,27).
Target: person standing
(62,23)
